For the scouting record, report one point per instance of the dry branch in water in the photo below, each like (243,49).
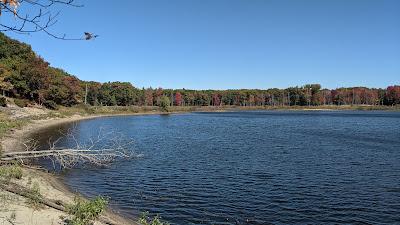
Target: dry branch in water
(38,16)
(100,151)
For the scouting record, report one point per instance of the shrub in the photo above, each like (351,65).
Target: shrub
(3,102)
(146,220)
(9,172)
(34,196)
(86,108)
(21,102)
(16,172)
(84,212)
(50,105)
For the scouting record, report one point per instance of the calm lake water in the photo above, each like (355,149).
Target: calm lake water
(261,167)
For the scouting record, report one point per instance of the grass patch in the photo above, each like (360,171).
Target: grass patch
(10,172)
(6,124)
(146,220)
(34,197)
(21,102)
(84,212)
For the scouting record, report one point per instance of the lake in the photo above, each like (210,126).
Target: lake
(255,167)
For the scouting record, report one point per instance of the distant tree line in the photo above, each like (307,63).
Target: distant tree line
(25,75)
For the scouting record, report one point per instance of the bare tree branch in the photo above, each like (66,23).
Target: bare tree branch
(41,20)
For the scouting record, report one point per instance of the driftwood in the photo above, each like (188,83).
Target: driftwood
(24,192)
(67,158)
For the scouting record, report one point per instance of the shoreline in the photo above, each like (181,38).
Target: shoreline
(52,182)
(11,141)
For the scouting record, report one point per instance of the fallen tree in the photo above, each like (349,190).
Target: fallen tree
(100,151)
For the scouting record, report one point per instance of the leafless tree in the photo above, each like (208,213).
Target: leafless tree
(101,151)
(39,16)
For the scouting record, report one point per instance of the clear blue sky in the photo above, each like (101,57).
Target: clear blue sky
(230,44)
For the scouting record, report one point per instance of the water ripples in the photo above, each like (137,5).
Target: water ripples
(254,168)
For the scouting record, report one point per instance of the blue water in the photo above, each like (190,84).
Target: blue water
(261,167)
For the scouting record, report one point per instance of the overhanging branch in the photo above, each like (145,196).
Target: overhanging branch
(41,20)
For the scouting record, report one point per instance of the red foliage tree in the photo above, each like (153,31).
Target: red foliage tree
(393,95)
(74,89)
(216,100)
(178,99)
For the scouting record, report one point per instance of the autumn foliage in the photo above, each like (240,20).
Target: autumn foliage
(12,4)
(178,99)
(25,75)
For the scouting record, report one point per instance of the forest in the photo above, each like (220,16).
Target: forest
(25,75)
